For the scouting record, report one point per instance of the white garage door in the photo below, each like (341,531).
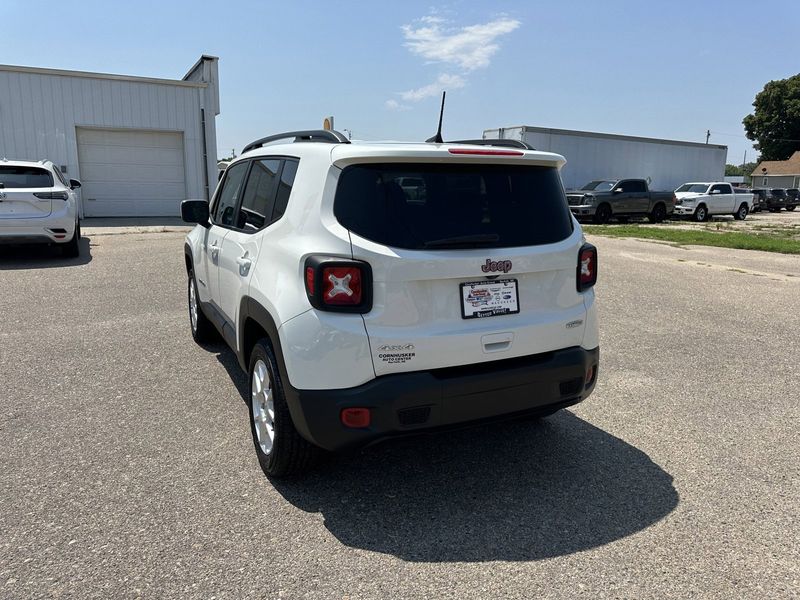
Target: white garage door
(131,173)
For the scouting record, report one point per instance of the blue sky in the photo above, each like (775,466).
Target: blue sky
(656,69)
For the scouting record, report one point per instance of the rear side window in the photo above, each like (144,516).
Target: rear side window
(25,177)
(633,186)
(225,210)
(285,188)
(430,206)
(259,195)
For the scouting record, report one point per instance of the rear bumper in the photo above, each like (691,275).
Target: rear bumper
(46,230)
(56,228)
(423,401)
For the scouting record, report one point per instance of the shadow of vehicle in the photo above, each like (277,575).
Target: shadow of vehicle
(510,491)
(42,256)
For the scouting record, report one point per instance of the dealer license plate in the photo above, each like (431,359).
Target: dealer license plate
(489,298)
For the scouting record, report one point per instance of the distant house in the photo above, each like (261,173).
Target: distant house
(778,173)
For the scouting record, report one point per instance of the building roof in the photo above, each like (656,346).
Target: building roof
(595,134)
(790,166)
(88,75)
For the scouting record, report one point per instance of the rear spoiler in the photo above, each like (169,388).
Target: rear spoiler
(495,142)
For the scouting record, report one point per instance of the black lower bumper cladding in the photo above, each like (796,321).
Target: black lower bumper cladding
(415,402)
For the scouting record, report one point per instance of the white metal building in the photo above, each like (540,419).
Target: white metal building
(138,145)
(666,163)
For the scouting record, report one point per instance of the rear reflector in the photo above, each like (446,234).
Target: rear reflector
(477,152)
(589,376)
(357,418)
(310,280)
(586,275)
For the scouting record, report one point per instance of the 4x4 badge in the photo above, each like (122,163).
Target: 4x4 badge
(493,266)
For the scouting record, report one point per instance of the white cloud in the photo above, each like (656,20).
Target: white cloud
(465,48)
(443,82)
(470,47)
(395,105)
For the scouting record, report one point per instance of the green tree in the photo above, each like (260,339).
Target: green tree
(775,123)
(744,169)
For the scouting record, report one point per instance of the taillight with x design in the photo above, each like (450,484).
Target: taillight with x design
(338,285)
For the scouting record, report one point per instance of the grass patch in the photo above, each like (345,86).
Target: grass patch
(700,237)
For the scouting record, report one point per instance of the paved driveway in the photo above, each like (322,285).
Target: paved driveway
(127,467)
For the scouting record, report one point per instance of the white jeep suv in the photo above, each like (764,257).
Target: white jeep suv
(38,206)
(378,289)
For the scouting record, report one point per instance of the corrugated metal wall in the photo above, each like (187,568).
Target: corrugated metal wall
(667,165)
(40,112)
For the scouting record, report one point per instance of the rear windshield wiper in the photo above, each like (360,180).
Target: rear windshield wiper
(463,240)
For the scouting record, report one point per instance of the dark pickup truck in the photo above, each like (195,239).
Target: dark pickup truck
(603,199)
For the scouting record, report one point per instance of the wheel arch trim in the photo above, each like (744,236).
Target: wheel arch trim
(250,309)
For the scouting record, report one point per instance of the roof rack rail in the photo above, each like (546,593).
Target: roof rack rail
(496,142)
(309,135)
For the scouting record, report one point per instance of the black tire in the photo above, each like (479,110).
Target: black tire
(602,214)
(741,214)
(202,328)
(700,214)
(290,454)
(658,214)
(790,208)
(72,249)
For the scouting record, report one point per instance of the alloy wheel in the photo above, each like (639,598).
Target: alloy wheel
(263,407)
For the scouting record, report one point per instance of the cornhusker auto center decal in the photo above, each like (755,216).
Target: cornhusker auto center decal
(396,354)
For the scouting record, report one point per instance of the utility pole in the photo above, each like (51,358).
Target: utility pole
(708,135)
(744,162)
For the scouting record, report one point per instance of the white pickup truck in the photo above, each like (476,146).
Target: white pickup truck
(703,200)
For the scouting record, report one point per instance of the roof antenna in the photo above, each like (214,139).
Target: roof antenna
(437,139)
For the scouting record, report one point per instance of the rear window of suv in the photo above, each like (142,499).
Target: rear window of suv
(25,177)
(430,206)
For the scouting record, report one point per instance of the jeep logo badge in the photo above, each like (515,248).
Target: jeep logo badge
(492,266)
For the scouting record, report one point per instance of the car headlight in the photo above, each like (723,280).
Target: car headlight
(588,200)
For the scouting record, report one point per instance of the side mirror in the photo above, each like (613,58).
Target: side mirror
(712,192)
(617,190)
(74,184)
(195,211)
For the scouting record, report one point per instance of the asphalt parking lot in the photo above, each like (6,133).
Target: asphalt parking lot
(127,468)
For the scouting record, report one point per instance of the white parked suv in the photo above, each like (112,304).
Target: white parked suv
(38,206)
(373,290)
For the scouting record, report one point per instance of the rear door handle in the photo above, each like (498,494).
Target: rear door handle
(244,263)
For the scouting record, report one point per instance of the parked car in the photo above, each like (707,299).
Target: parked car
(777,199)
(361,313)
(702,200)
(602,200)
(38,206)
(792,198)
(760,200)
